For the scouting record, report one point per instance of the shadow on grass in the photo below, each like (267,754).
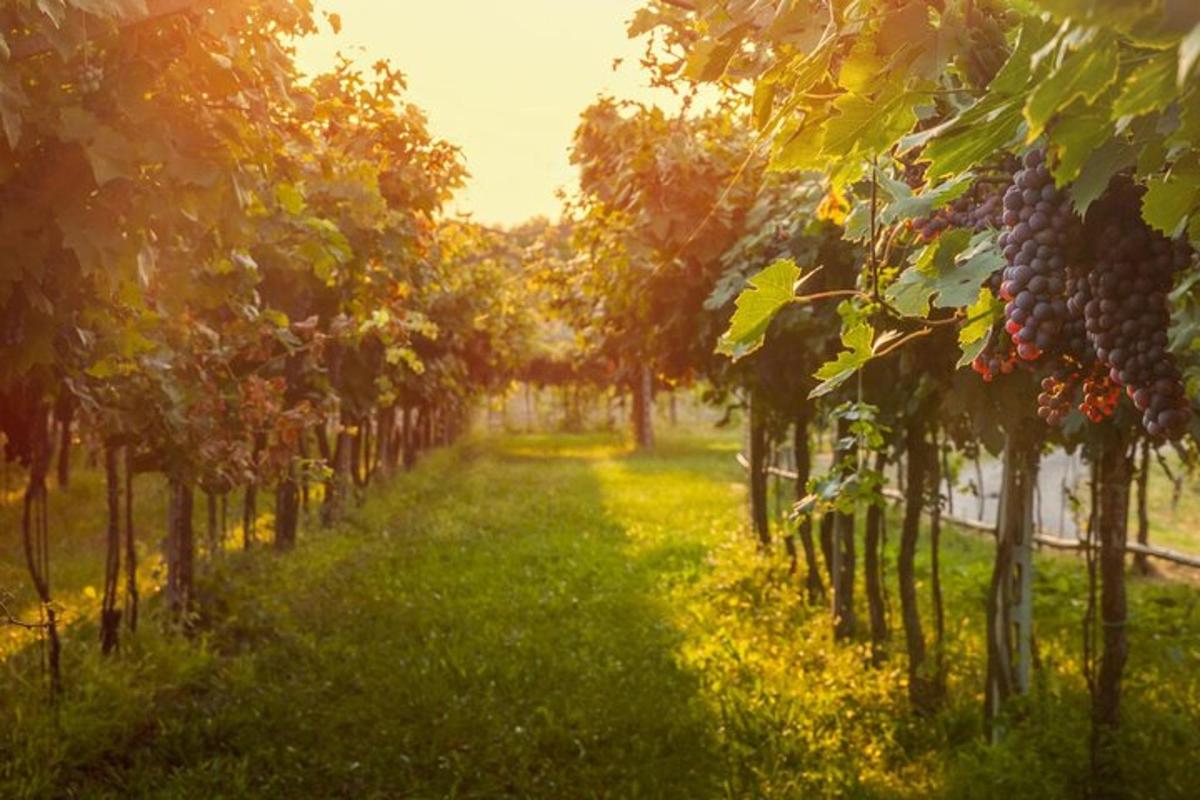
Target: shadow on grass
(481,630)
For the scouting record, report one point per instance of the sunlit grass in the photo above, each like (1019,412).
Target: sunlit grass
(560,616)
(77,530)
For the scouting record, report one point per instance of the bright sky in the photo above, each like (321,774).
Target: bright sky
(503,79)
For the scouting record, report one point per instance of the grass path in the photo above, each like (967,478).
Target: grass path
(508,636)
(553,617)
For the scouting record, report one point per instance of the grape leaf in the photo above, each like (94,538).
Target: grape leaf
(977,133)
(290,198)
(906,205)
(972,267)
(1085,73)
(1112,157)
(764,101)
(797,146)
(1074,138)
(981,318)
(1168,201)
(1150,87)
(933,273)
(868,125)
(708,60)
(859,341)
(766,293)
(1015,73)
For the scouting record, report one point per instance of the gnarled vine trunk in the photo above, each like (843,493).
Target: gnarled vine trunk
(35,536)
(643,408)
(921,692)
(1140,561)
(759,446)
(408,437)
(131,587)
(180,548)
(110,612)
(214,523)
(1010,595)
(287,510)
(826,539)
(938,464)
(250,504)
(800,444)
(389,444)
(1115,475)
(845,621)
(64,412)
(338,487)
(361,453)
(872,567)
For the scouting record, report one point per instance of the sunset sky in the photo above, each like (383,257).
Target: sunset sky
(504,80)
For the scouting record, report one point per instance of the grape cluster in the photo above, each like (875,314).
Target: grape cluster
(1062,386)
(1100,395)
(1041,229)
(1056,398)
(999,357)
(1126,308)
(89,78)
(979,209)
(1089,303)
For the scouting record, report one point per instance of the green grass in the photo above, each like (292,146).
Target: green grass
(1174,519)
(552,616)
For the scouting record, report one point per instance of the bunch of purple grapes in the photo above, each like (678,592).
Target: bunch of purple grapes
(999,357)
(1041,233)
(1126,308)
(1075,364)
(979,209)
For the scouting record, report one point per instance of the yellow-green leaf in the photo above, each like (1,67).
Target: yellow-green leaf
(766,293)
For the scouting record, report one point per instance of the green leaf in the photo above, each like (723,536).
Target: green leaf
(911,293)
(906,205)
(1169,200)
(861,70)
(981,319)
(934,273)
(764,101)
(766,293)
(859,340)
(972,267)
(1085,73)
(109,152)
(972,137)
(1075,137)
(1014,75)
(1150,87)
(867,125)
(290,198)
(1112,157)
(797,147)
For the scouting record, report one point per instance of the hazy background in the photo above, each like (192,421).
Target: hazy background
(506,81)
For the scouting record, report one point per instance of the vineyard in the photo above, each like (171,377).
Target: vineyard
(836,436)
